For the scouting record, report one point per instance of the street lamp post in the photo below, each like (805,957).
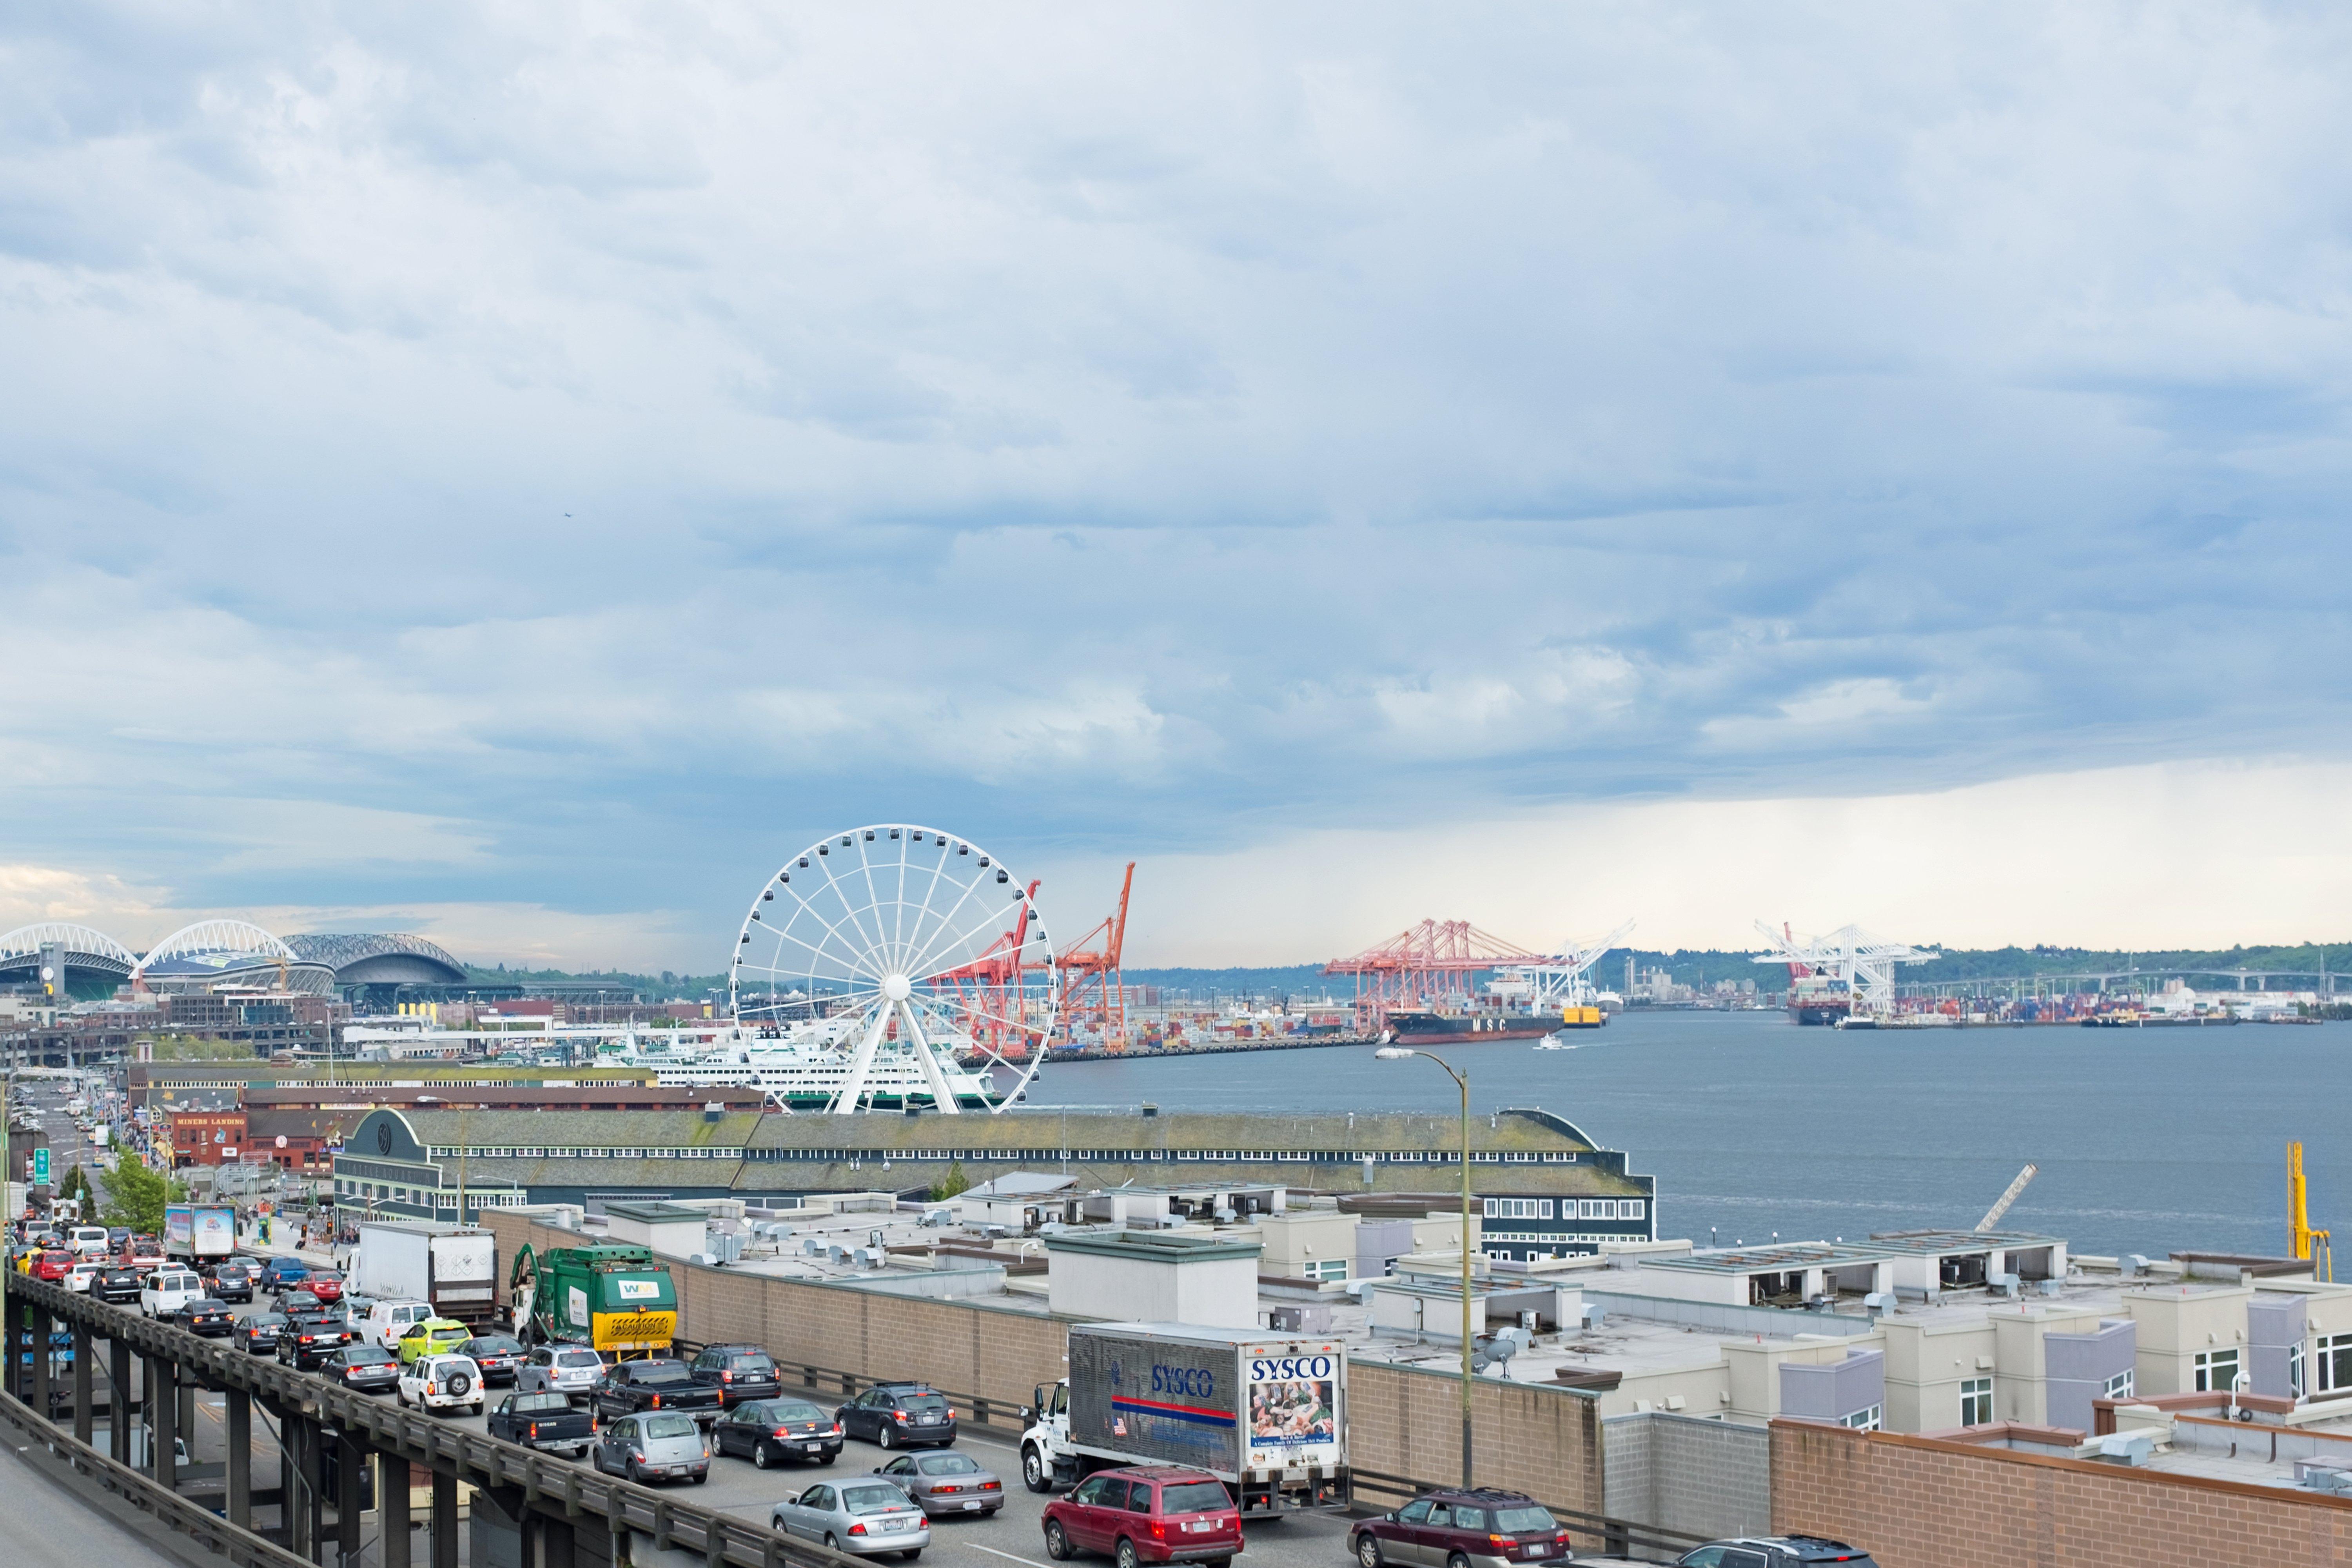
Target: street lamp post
(1398,1054)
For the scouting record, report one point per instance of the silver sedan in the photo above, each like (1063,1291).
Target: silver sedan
(868,1517)
(945,1484)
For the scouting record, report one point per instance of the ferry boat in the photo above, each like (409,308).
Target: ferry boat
(804,1067)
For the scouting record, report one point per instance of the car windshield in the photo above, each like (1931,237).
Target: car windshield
(796,1413)
(947,1465)
(1529,1517)
(872,1499)
(1194,1497)
(267,1320)
(530,1402)
(669,1426)
(497,1345)
(372,1354)
(324,1278)
(579,1358)
(207,1305)
(922,1402)
(662,1371)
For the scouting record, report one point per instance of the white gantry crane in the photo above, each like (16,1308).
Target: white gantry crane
(1558,981)
(1847,953)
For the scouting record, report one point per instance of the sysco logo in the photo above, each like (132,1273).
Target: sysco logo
(1193,1381)
(1288,1368)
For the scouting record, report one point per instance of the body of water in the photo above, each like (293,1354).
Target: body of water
(2149,1140)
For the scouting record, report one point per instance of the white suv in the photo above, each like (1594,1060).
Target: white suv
(442,1383)
(168,1290)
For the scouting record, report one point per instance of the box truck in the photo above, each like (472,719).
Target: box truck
(453,1268)
(198,1232)
(1265,1413)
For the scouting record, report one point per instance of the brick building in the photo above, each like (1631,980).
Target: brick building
(207,1137)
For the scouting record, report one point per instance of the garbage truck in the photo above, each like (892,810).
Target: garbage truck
(1265,1413)
(608,1297)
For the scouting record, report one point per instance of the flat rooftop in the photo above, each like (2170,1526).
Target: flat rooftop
(1789,1258)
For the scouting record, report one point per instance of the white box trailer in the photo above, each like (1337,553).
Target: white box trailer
(1265,1412)
(452,1267)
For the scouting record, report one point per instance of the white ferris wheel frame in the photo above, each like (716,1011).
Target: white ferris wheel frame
(892,974)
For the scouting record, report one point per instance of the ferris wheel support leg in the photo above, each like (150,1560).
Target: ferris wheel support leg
(943,1099)
(853,1088)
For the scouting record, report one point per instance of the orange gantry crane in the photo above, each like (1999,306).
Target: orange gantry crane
(1091,983)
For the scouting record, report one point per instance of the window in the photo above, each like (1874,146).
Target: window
(2335,1361)
(2119,1386)
(1863,1420)
(2216,1371)
(1518,1208)
(1324,1268)
(1629,1208)
(2294,1368)
(1976,1401)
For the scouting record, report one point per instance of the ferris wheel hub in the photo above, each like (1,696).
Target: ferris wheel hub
(897,987)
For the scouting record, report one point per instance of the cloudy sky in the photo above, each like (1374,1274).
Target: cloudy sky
(519,472)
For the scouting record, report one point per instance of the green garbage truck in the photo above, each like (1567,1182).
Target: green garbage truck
(610,1297)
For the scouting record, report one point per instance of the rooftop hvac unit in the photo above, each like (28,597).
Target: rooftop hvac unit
(813,1247)
(2050,1286)
(1224,1216)
(2135,1263)
(2006,1284)
(1593,1317)
(1878,1302)
(836,1253)
(869,1258)
(938,1219)
(708,1259)
(728,1247)
(2127,1448)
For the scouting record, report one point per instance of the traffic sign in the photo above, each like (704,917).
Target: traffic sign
(41,1167)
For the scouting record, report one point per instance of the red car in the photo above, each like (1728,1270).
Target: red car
(1146,1515)
(325,1284)
(54,1266)
(1482,1528)
(143,1253)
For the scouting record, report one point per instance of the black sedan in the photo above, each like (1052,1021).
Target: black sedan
(260,1331)
(501,1356)
(231,1281)
(118,1286)
(371,1369)
(206,1316)
(308,1341)
(771,1431)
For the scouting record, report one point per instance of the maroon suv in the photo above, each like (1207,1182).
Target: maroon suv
(1146,1514)
(1479,1528)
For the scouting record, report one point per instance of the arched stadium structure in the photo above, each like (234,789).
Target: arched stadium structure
(88,963)
(211,955)
(377,966)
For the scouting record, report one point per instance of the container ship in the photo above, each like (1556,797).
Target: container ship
(1820,999)
(1421,1027)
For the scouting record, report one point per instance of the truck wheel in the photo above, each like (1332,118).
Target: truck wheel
(1033,1471)
(1057,1540)
(1126,1557)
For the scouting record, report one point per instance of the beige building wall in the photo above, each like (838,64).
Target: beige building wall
(1703,1388)
(1297,1238)
(1926,1364)
(1752,1371)
(2020,1359)
(2177,1323)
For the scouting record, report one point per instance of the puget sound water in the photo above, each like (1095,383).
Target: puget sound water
(2149,1140)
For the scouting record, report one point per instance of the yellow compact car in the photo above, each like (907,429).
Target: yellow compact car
(432,1336)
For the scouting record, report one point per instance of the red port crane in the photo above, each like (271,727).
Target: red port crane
(1091,983)
(990,992)
(1422,966)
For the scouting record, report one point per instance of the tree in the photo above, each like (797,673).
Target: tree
(135,1195)
(949,1185)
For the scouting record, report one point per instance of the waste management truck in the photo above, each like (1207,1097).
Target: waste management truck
(198,1232)
(1265,1413)
(611,1297)
(454,1269)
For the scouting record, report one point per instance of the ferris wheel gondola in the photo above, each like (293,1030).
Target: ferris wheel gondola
(914,957)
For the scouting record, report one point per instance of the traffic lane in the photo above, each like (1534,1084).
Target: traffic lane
(1015,1534)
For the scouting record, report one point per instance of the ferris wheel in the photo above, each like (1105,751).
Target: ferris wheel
(908,966)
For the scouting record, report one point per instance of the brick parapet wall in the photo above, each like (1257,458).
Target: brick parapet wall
(1924,1503)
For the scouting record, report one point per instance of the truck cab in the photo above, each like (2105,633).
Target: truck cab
(1047,1460)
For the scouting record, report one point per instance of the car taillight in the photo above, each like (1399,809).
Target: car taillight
(782,1432)
(1504,1542)
(725,1377)
(992,1486)
(657,1405)
(836,1428)
(899,1416)
(947,1488)
(1159,1531)
(857,1528)
(534,1428)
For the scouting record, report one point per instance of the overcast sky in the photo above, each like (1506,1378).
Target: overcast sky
(521,473)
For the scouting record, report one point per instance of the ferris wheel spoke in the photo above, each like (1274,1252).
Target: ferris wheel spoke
(923,915)
(850,907)
(859,953)
(814,950)
(928,960)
